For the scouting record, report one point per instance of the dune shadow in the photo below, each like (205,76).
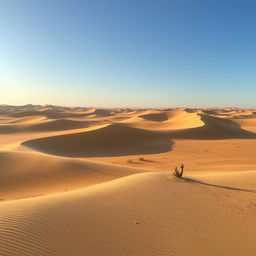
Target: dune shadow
(112,140)
(157,117)
(8,129)
(146,160)
(219,186)
(130,161)
(214,128)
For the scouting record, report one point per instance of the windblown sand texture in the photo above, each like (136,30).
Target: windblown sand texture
(85,181)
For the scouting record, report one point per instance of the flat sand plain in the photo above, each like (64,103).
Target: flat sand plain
(85,181)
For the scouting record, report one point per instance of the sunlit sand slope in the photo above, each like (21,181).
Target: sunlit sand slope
(25,175)
(143,214)
(164,120)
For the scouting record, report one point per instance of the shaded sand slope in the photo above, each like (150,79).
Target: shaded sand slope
(156,117)
(214,128)
(25,175)
(108,141)
(143,214)
(248,124)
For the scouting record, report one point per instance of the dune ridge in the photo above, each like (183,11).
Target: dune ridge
(46,125)
(116,218)
(25,174)
(169,120)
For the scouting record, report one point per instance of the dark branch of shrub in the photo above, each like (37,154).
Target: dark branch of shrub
(178,173)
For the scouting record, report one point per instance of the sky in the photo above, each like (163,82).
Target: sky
(136,53)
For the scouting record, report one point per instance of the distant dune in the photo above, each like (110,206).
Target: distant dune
(86,181)
(164,120)
(50,125)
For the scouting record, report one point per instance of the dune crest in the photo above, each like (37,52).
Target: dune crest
(25,175)
(180,224)
(164,120)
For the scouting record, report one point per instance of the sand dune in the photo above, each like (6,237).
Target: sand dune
(50,114)
(145,214)
(248,124)
(27,120)
(122,201)
(115,140)
(214,128)
(112,140)
(28,175)
(166,120)
(56,112)
(49,125)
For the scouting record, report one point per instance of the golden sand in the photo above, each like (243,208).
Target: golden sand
(99,182)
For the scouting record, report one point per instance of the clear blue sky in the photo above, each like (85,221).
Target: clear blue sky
(111,53)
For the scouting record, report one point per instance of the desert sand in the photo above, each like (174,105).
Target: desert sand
(86,181)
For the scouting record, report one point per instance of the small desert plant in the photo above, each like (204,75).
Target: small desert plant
(176,171)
